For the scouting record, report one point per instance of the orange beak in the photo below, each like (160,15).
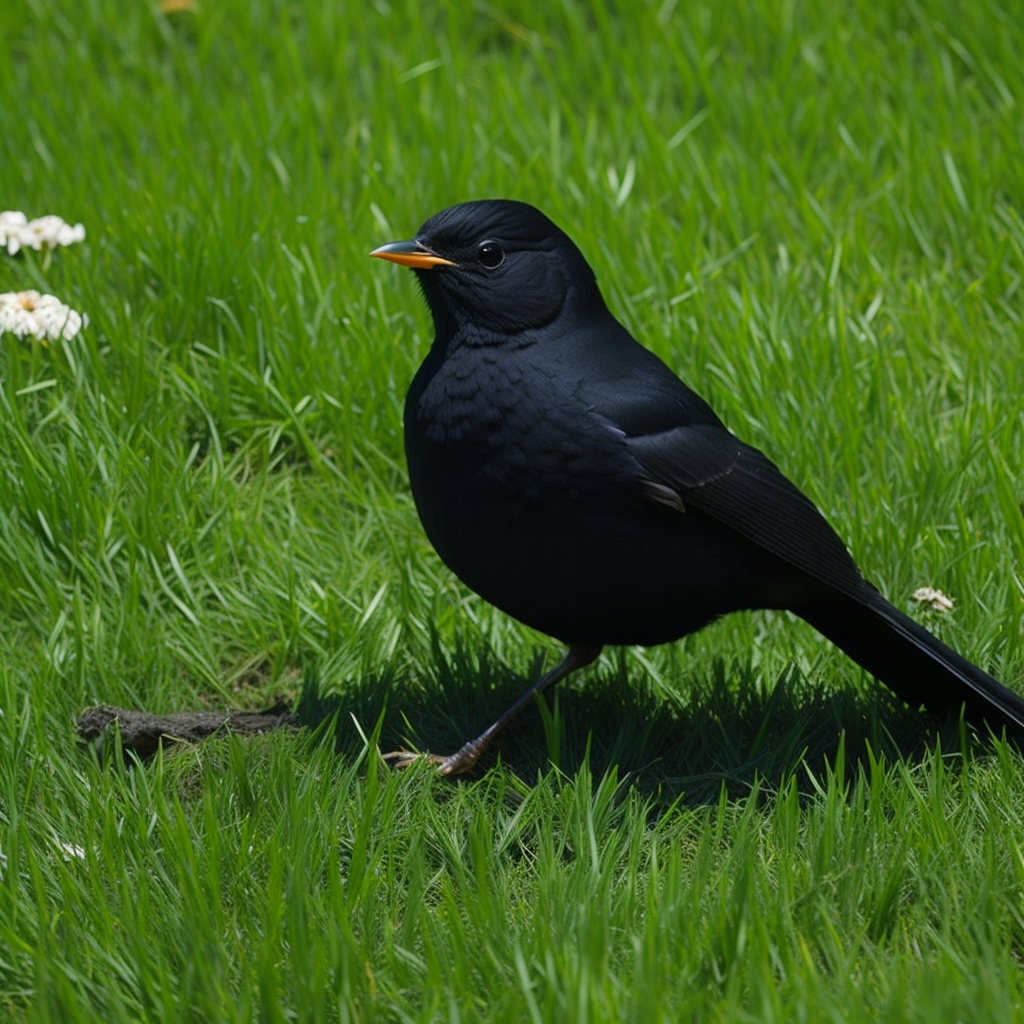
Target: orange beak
(411,254)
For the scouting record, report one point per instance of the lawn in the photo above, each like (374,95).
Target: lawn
(812,211)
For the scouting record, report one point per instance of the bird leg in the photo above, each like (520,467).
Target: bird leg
(467,756)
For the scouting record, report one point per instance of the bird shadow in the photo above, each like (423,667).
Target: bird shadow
(730,733)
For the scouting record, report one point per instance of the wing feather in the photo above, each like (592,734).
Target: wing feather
(712,470)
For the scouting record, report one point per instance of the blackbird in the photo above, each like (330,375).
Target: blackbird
(570,478)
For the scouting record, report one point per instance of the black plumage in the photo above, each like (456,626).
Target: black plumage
(569,477)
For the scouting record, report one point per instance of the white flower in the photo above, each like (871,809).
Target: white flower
(17,232)
(12,223)
(935,599)
(69,850)
(29,314)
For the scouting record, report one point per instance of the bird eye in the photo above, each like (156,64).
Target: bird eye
(490,255)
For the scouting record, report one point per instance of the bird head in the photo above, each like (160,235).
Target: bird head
(496,267)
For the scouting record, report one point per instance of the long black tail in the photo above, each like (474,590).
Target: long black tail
(917,666)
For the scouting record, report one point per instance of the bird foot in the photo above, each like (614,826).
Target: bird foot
(399,759)
(462,761)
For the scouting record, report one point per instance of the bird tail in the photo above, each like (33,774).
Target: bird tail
(915,665)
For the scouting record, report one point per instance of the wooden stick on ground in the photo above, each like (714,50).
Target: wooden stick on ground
(143,733)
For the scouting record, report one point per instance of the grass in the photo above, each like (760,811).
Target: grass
(812,211)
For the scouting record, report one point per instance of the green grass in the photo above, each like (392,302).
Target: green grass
(811,211)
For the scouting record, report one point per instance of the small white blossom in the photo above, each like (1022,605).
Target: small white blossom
(935,599)
(12,223)
(45,317)
(18,232)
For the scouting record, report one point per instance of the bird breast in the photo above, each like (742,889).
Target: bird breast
(514,428)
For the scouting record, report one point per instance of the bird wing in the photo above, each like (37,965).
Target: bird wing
(712,470)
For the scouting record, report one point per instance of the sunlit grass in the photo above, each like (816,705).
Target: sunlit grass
(812,212)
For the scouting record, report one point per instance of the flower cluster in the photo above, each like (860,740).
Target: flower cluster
(29,314)
(45,317)
(18,232)
(933,598)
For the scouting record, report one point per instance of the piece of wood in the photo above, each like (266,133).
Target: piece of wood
(142,733)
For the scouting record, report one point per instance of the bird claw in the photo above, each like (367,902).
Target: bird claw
(399,759)
(454,764)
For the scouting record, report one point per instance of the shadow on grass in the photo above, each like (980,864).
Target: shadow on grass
(729,731)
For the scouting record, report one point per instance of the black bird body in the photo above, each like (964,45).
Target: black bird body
(539,506)
(569,477)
